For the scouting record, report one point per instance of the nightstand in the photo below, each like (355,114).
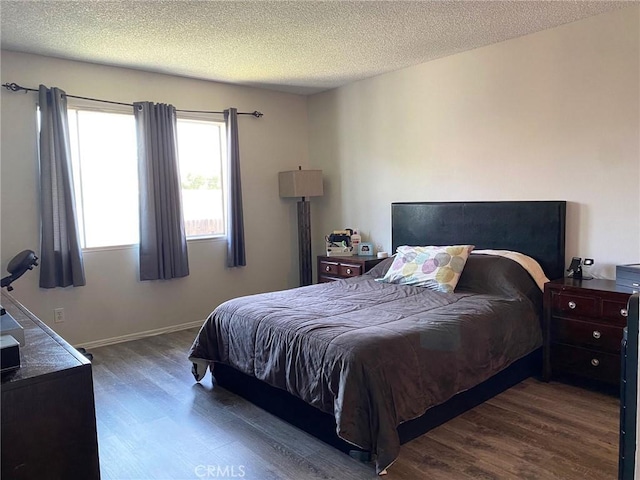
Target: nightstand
(337,268)
(582,328)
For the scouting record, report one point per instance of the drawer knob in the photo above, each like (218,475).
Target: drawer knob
(348,271)
(596,334)
(327,268)
(623,312)
(595,362)
(572,305)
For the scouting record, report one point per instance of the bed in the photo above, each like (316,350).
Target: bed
(368,365)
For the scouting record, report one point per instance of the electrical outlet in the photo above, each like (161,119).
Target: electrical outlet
(58,315)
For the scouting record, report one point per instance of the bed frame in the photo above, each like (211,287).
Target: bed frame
(535,228)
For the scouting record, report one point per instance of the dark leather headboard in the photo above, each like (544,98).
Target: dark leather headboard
(534,228)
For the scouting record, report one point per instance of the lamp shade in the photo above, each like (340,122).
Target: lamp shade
(301,183)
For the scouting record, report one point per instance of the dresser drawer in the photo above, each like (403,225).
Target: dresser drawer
(615,311)
(600,366)
(572,305)
(350,270)
(331,268)
(601,337)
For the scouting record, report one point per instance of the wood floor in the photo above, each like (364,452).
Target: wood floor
(155,422)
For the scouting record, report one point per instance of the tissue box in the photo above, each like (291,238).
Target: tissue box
(628,277)
(339,252)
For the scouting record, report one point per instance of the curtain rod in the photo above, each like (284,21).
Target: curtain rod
(14,87)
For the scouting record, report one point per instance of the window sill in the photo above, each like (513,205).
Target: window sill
(109,248)
(215,238)
(209,238)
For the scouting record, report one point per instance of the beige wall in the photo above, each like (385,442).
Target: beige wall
(548,116)
(114,303)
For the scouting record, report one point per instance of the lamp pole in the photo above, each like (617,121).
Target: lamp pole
(304,241)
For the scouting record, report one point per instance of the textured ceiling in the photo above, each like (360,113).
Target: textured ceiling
(295,46)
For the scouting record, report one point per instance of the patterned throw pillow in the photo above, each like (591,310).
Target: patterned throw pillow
(437,268)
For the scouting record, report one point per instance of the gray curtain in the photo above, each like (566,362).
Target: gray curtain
(61,262)
(235,223)
(163,244)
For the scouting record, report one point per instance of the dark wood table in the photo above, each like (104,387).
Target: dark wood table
(337,268)
(583,324)
(48,410)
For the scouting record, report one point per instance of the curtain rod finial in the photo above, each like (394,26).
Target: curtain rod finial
(257,114)
(14,87)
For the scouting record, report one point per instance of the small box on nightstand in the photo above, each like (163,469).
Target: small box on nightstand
(628,277)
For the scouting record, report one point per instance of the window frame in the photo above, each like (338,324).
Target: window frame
(204,117)
(79,104)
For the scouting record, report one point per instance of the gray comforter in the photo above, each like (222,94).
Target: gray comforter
(374,354)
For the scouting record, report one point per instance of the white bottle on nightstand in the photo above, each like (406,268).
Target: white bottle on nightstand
(355,241)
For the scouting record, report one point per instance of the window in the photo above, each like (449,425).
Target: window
(201,176)
(105,169)
(105,177)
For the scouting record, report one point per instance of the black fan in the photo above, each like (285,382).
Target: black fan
(18,265)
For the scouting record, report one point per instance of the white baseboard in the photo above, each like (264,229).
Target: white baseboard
(139,335)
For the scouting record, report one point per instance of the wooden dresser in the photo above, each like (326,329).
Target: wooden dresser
(48,409)
(336,268)
(583,328)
